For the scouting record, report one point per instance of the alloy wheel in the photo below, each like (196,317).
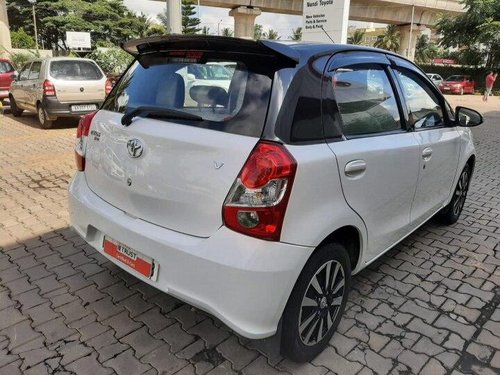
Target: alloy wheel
(461,192)
(321,302)
(41,115)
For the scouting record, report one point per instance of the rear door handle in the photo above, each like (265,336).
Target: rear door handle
(427,153)
(355,168)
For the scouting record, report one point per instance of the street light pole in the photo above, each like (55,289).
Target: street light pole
(33,2)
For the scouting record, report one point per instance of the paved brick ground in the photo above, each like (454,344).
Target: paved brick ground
(429,306)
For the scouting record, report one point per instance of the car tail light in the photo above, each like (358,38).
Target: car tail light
(81,140)
(108,86)
(257,201)
(48,88)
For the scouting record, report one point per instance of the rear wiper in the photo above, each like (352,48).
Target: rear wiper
(158,112)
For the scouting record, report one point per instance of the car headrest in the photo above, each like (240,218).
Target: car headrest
(209,95)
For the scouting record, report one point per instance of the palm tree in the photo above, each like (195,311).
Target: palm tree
(271,35)
(226,31)
(296,34)
(389,40)
(425,50)
(257,31)
(356,37)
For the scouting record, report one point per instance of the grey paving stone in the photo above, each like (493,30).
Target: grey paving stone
(88,366)
(211,334)
(164,361)
(464,330)
(122,324)
(126,363)
(141,342)
(260,367)
(155,320)
(105,308)
(237,354)
(55,330)
(413,360)
(330,359)
(176,337)
(370,359)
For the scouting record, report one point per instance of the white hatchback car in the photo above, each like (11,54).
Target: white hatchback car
(258,203)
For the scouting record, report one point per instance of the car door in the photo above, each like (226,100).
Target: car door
(439,143)
(378,160)
(18,88)
(32,85)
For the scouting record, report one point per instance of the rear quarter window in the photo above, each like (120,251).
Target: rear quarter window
(233,101)
(74,70)
(5,67)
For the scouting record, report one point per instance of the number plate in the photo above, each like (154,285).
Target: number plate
(83,107)
(131,258)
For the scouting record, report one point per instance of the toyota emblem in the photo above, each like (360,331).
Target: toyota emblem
(135,148)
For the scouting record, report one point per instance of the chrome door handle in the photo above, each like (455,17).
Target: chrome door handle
(355,168)
(427,153)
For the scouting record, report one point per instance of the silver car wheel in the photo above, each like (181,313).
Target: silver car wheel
(321,302)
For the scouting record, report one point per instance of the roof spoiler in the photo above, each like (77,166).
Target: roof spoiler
(288,56)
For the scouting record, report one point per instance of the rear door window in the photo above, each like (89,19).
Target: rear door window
(233,101)
(35,70)
(25,71)
(75,70)
(366,100)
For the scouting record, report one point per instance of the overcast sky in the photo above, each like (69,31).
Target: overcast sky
(211,16)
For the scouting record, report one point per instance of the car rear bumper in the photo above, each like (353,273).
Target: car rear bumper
(54,107)
(4,93)
(243,281)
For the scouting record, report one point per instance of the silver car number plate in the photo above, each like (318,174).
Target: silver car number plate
(83,107)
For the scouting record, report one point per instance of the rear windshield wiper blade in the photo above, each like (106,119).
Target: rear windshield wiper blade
(158,112)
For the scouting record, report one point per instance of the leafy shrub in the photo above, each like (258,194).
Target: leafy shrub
(20,39)
(112,60)
(21,58)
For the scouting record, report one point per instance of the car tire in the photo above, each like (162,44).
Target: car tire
(308,311)
(451,212)
(43,118)
(14,109)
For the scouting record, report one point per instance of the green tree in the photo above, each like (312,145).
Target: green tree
(205,30)
(257,31)
(156,30)
(108,20)
(425,50)
(226,31)
(20,39)
(476,29)
(389,40)
(296,34)
(356,37)
(271,35)
(189,22)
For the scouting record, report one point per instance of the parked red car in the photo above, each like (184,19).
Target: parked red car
(6,72)
(458,84)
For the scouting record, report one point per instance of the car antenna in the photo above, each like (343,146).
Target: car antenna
(326,34)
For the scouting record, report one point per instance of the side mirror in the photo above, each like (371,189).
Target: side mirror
(14,76)
(467,117)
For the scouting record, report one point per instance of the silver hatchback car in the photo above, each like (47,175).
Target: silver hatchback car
(58,87)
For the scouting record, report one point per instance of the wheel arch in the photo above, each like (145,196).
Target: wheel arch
(351,238)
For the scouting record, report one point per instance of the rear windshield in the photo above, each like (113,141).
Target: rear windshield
(455,78)
(230,100)
(5,67)
(74,70)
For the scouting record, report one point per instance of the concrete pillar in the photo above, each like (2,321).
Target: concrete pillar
(407,46)
(174,16)
(4,28)
(244,21)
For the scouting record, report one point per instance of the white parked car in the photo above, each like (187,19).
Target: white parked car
(58,87)
(435,78)
(259,203)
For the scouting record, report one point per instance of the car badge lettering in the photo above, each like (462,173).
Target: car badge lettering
(135,148)
(218,165)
